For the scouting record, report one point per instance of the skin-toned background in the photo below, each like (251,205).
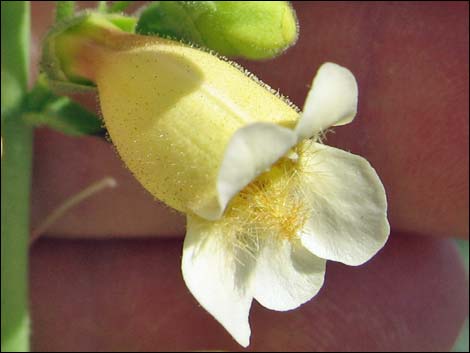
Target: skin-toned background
(411,63)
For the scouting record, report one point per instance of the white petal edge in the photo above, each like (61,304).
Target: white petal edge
(251,151)
(287,275)
(349,218)
(331,101)
(216,278)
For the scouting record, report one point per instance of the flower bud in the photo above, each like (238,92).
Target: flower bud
(249,29)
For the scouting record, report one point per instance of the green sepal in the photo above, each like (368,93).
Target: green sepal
(86,24)
(51,64)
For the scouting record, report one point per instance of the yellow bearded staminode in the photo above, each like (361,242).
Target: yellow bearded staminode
(267,204)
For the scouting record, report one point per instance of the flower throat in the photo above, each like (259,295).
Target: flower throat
(273,205)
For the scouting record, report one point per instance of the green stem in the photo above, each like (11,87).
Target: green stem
(16,177)
(16,180)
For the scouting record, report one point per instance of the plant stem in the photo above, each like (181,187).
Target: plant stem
(16,177)
(16,180)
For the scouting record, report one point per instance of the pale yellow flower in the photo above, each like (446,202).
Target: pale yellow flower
(267,204)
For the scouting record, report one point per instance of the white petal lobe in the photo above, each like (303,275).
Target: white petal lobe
(251,151)
(287,275)
(331,101)
(218,279)
(349,207)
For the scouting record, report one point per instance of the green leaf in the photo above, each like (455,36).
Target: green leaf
(250,29)
(64,10)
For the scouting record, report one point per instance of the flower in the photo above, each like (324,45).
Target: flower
(266,202)
(316,203)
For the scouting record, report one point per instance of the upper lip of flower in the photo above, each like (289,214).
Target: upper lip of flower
(331,101)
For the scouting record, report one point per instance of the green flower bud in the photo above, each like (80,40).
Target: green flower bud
(250,29)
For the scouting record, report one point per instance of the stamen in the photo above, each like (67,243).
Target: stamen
(273,207)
